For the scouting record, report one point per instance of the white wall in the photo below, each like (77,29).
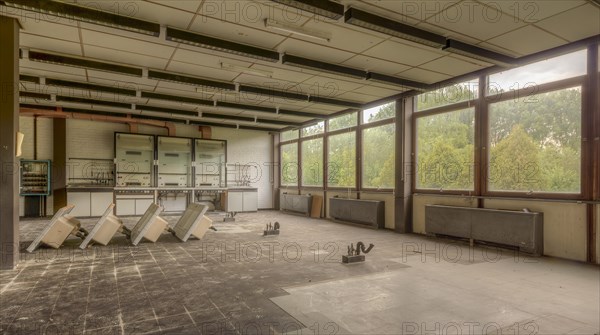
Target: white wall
(253,148)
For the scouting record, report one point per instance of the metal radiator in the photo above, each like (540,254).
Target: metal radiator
(294,203)
(364,212)
(524,230)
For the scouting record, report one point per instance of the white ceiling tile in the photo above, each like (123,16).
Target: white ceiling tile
(280,72)
(38,67)
(190,6)
(377,91)
(344,37)
(451,66)
(123,57)
(533,11)
(235,32)
(358,97)
(49,44)
(375,65)
(475,20)
(403,53)
(326,86)
(527,40)
(143,10)
(271,83)
(115,42)
(50,29)
(313,51)
(574,24)
(423,76)
(201,71)
(407,12)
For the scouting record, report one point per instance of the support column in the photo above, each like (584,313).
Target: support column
(9,125)
(404,166)
(59,163)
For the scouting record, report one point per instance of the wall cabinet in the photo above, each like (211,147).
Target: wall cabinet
(89,203)
(240,200)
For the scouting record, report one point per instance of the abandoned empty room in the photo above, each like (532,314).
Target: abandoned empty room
(313,167)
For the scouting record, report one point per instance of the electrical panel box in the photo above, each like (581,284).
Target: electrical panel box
(210,163)
(174,162)
(35,177)
(134,160)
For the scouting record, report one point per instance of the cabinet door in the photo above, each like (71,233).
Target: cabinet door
(125,207)
(235,201)
(250,201)
(100,201)
(141,205)
(81,200)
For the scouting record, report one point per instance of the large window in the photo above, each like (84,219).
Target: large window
(382,112)
(529,77)
(289,164)
(341,168)
(445,150)
(342,122)
(317,128)
(312,162)
(289,135)
(535,143)
(378,156)
(448,95)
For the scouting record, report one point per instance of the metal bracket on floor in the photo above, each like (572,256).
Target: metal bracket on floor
(229,217)
(271,229)
(354,255)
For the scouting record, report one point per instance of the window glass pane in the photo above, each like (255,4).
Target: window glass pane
(379,113)
(318,128)
(378,157)
(341,169)
(445,150)
(535,143)
(448,95)
(341,122)
(289,135)
(529,76)
(312,162)
(289,164)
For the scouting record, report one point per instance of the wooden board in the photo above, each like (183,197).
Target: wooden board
(317,203)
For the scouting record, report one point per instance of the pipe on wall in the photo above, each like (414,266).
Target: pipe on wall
(132,123)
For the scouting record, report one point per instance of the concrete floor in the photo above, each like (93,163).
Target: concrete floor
(236,281)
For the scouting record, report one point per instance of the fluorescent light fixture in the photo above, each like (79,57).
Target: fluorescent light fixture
(93,102)
(302,31)
(90,87)
(336,102)
(184,100)
(238,68)
(330,9)
(83,14)
(322,66)
(36,96)
(273,93)
(394,28)
(203,41)
(385,79)
(83,63)
(475,52)
(181,79)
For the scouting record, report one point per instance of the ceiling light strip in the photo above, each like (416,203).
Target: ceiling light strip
(302,31)
(270,92)
(384,25)
(83,63)
(189,80)
(475,52)
(90,87)
(330,9)
(39,96)
(212,43)
(322,66)
(336,102)
(385,79)
(30,79)
(88,15)
(92,102)
(167,97)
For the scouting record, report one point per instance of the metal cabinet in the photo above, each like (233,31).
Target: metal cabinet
(239,200)
(89,203)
